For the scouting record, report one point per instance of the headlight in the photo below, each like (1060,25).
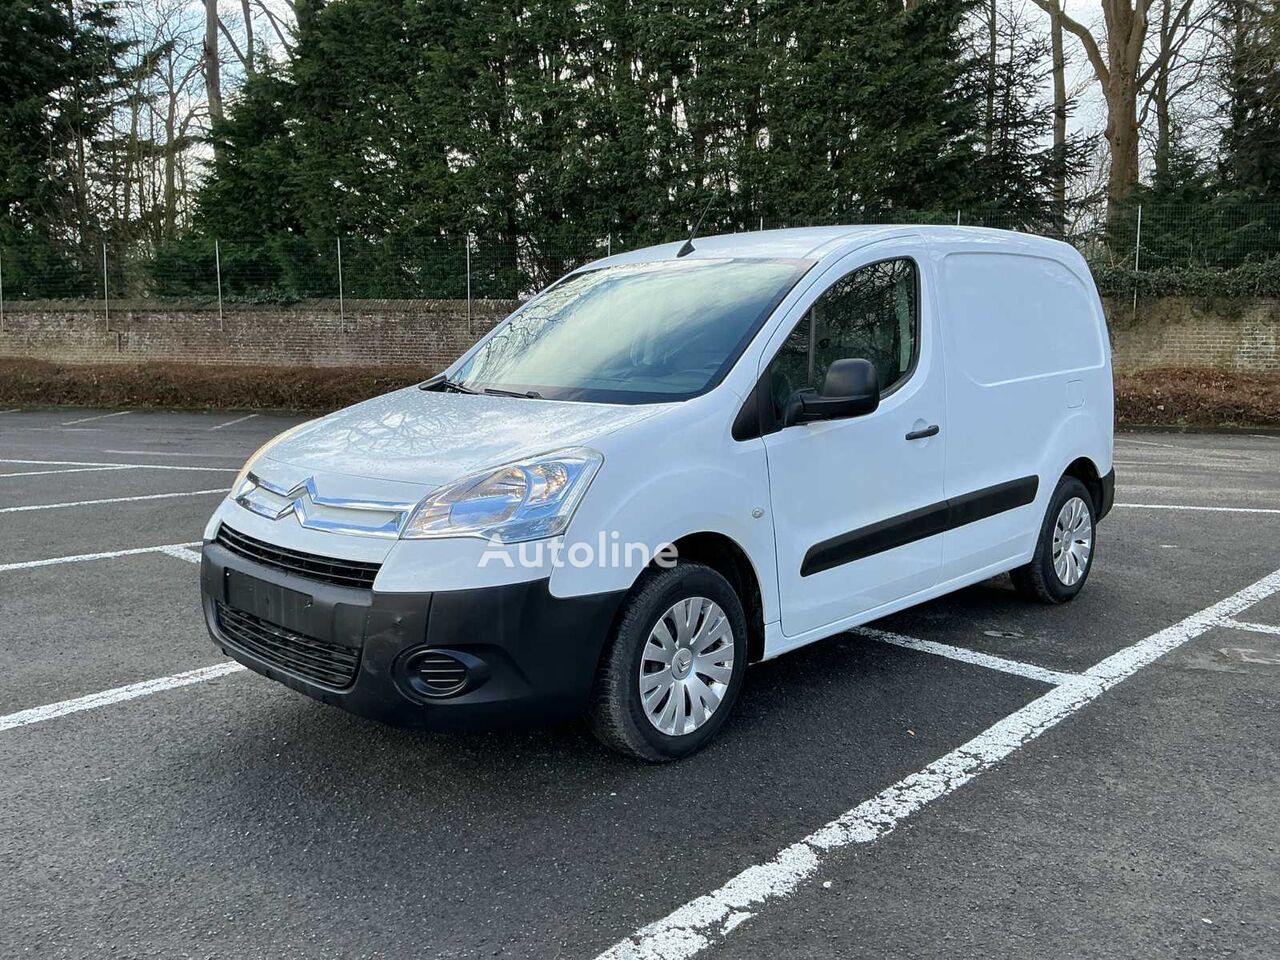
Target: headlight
(527,500)
(237,487)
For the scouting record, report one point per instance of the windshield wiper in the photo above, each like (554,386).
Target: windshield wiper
(498,392)
(443,383)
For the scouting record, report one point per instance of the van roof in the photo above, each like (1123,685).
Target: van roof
(817,243)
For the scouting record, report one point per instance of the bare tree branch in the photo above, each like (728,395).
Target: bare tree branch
(1165,55)
(275,24)
(235,47)
(1081,32)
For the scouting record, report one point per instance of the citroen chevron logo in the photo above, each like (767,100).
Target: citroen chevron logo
(333,514)
(306,490)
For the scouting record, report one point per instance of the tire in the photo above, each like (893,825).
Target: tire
(619,714)
(1041,579)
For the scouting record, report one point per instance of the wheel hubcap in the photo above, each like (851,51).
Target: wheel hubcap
(686,666)
(1072,541)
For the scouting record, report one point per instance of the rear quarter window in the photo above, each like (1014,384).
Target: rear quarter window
(1013,317)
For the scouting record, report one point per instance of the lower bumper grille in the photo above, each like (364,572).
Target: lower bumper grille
(325,663)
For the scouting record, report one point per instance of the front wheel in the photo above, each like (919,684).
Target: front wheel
(674,666)
(1064,548)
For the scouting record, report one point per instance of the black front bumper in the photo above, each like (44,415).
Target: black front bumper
(529,655)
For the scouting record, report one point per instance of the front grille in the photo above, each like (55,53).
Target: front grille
(344,573)
(325,663)
(441,674)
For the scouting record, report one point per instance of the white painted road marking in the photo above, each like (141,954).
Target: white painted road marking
(12,410)
(119,466)
(171,453)
(1150,443)
(701,923)
(92,503)
(100,416)
(232,423)
(54,561)
(1251,627)
(991,662)
(45,473)
(117,694)
(182,553)
(1181,506)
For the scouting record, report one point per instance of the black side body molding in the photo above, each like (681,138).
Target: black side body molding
(926,522)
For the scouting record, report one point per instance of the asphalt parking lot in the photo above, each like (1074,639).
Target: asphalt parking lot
(978,777)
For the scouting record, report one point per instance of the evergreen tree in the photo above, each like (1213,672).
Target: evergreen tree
(1250,159)
(543,127)
(869,112)
(1015,175)
(61,70)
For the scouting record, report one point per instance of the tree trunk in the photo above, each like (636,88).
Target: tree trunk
(170,164)
(1122,138)
(1059,120)
(212,68)
(248,36)
(1116,61)
(991,76)
(1126,31)
(1236,17)
(1160,96)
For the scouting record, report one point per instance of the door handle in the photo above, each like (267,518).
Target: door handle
(930,431)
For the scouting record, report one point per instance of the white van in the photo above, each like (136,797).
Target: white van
(670,464)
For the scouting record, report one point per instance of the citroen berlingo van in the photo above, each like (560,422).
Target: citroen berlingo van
(673,463)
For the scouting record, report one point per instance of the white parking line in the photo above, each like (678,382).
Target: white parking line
(119,466)
(171,453)
(974,657)
(12,410)
(45,473)
(232,423)
(77,558)
(92,503)
(1149,443)
(182,553)
(59,429)
(1183,506)
(702,922)
(117,694)
(100,416)
(1251,627)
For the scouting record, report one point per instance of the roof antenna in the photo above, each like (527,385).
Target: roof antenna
(688,244)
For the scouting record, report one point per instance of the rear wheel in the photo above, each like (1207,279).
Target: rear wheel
(674,666)
(1064,549)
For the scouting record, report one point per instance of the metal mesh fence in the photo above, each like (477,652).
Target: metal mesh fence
(1146,240)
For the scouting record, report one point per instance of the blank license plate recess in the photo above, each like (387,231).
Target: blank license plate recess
(267,601)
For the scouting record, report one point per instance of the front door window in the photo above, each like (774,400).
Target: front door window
(871,313)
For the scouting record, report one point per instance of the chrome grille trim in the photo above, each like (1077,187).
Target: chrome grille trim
(309,507)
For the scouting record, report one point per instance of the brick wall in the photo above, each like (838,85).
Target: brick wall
(421,333)
(1238,334)
(1184,331)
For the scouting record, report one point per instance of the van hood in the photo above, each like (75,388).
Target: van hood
(423,437)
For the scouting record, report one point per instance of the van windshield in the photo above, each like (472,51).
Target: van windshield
(633,333)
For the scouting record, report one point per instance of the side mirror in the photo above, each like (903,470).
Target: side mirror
(851,389)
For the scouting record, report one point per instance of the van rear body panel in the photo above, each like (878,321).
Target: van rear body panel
(1029,384)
